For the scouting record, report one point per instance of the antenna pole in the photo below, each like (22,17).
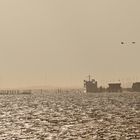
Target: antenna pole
(89,77)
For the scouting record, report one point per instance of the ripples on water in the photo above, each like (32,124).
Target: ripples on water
(70,116)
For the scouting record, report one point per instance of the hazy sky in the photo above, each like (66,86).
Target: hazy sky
(60,42)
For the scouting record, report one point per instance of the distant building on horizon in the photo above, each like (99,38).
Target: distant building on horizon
(114,87)
(136,87)
(91,85)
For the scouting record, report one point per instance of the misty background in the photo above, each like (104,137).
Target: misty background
(58,43)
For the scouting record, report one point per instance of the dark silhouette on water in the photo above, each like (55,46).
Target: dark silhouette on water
(90,85)
(114,87)
(136,87)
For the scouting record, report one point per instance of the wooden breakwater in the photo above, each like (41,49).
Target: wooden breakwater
(13,92)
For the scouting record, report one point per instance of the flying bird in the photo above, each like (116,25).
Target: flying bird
(133,42)
(128,43)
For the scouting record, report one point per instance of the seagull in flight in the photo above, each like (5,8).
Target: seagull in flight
(123,43)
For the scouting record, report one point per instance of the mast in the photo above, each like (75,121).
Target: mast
(89,76)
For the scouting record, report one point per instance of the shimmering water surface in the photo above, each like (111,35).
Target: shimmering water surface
(70,116)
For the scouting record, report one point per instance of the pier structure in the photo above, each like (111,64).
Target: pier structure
(11,92)
(136,87)
(114,87)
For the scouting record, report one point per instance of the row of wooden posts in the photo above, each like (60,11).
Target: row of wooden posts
(15,91)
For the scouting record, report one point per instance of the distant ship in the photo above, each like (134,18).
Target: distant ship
(90,85)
